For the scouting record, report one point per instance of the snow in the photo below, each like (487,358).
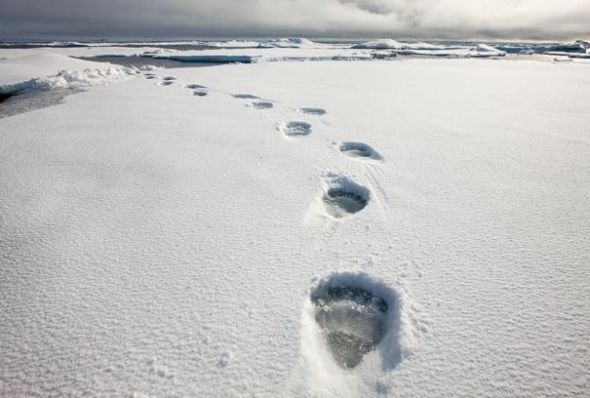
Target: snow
(66,70)
(422,48)
(292,43)
(381,44)
(66,79)
(262,55)
(234,44)
(157,243)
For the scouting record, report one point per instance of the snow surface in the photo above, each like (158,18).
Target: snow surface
(292,43)
(381,44)
(156,243)
(263,55)
(54,71)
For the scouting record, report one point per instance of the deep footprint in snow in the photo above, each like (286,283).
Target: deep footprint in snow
(200,93)
(169,78)
(293,129)
(359,150)
(343,197)
(313,111)
(352,318)
(262,105)
(195,86)
(244,96)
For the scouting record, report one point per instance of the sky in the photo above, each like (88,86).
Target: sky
(445,19)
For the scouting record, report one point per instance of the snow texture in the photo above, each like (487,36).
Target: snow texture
(427,238)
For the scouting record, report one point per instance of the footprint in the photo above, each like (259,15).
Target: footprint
(200,93)
(194,86)
(244,96)
(343,197)
(359,150)
(293,129)
(313,111)
(168,82)
(262,105)
(168,78)
(354,313)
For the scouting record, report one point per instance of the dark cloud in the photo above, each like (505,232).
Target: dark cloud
(216,18)
(371,6)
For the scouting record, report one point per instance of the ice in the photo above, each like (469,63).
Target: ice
(291,43)
(381,44)
(424,232)
(40,92)
(67,79)
(30,65)
(262,55)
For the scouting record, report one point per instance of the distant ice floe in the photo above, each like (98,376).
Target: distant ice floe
(578,46)
(234,44)
(299,49)
(381,44)
(427,49)
(292,43)
(259,56)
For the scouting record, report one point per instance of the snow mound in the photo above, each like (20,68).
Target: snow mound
(487,48)
(423,45)
(66,44)
(234,44)
(291,43)
(67,79)
(381,44)
(157,52)
(48,69)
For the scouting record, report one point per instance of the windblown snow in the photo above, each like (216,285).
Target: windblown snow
(416,227)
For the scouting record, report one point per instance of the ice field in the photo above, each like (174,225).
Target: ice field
(417,226)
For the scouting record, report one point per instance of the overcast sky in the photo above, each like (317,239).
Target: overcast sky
(550,19)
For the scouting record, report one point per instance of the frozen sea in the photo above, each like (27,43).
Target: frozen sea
(308,219)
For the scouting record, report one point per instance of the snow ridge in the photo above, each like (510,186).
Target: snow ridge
(68,79)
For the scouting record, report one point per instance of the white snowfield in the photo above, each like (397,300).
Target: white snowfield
(54,71)
(417,228)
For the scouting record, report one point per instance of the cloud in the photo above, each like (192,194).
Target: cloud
(372,6)
(211,18)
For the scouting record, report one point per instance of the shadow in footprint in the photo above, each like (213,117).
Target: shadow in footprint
(354,314)
(343,197)
(167,82)
(294,129)
(169,78)
(194,86)
(262,105)
(313,111)
(244,96)
(359,150)
(199,93)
